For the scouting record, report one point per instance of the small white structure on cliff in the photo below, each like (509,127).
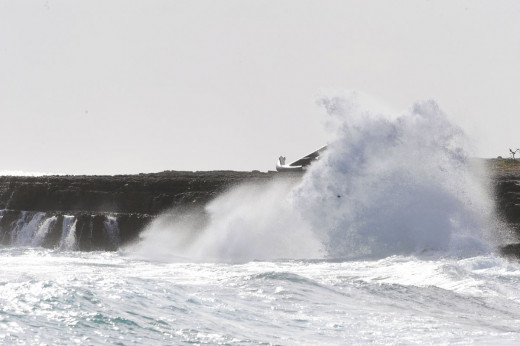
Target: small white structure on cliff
(301,164)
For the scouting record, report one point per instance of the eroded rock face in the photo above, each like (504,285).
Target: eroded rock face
(102,212)
(508,198)
(143,193)
(507,192)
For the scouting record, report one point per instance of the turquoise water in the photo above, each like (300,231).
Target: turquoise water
(388,239)
(57,297)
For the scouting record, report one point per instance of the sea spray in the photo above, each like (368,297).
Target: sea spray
(393,185)
(251,221)
(42,230)
(24,232)
(111,230)
(386,185)
(257,222)
(68,234)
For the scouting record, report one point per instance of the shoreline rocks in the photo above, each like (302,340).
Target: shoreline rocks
(33,205)
(94,202)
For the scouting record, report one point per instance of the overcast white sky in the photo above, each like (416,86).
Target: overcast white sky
(129,86)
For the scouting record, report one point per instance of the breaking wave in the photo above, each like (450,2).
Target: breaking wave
(395,185)
(386,185)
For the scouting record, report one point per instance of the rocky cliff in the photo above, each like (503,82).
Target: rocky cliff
(505,175)
(104,212)
(101,212)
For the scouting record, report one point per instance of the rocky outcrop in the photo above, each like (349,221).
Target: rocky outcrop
(142,194)
(506,182)
(507,191)
(102,212)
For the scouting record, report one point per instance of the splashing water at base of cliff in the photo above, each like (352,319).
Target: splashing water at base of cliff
(395,186)
(61,298)
(386,185)
(385,240)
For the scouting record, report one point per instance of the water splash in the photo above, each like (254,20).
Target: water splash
(111,230)
(43,230)
(394,185)
(68,235)
(251,221)
(24,231)
(18,225)
(54,230)
(386,185)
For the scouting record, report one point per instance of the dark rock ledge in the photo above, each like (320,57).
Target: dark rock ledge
(142,194)
(109,211)
(506,183)
(94,202)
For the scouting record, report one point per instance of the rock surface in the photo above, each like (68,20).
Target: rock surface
(93,201)
(105,212)
(142,194)
(506,182)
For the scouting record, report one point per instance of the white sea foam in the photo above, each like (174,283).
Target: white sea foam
(63,297)
(246,223)
(41,232)
(386,185)
(394,185)
(112,229)
(68,233)
(398,188)
(25,230)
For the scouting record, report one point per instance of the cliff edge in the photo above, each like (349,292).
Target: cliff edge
(104,212)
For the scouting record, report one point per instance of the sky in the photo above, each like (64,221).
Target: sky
(131,86)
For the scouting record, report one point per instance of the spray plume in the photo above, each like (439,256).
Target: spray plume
(386,185)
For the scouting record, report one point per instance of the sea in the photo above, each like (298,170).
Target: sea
(50,297)
(390,238)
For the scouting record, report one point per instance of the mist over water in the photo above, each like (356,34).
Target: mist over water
(386,185)
(248,222)
(394,185)
(385,240)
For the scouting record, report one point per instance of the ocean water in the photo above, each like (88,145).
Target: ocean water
(56,297)
(390,238)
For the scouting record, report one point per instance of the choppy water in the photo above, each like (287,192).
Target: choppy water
(53,297)
(388,239)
